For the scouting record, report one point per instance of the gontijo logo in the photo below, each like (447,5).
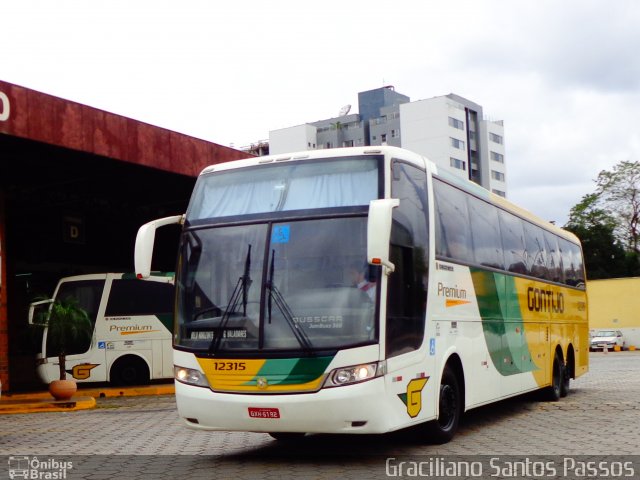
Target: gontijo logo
(82,371)
(544,300)
(413,397)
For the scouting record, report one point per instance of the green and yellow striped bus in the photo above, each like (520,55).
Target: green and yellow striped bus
(364,290)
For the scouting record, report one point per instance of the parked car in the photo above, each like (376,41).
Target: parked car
(606,339)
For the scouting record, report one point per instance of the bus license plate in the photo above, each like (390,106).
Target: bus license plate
(264,412)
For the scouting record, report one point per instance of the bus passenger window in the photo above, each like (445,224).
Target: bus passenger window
(553,257)
(453,236)
(487,245)
(536,256)
(512,232)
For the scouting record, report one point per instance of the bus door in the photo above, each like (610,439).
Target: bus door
(406,351)
(84,359)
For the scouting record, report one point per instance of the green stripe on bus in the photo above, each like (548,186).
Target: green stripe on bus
(502,322)
(292,371)
(166,319)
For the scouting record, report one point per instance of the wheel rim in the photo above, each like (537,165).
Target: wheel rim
(448,407)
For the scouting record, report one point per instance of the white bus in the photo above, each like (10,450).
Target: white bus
(131,341)
(364,290)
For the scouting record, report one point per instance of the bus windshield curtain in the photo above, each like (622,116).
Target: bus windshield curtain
(341,189)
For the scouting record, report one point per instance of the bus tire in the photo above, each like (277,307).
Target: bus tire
(130,370)
(553,392)
(443,429)
(287,436)
(566,380)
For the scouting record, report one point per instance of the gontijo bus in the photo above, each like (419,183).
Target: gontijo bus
(475,300)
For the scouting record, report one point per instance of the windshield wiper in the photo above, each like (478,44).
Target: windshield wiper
(281,303)
(241,288)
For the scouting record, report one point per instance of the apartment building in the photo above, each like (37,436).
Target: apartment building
(449,130)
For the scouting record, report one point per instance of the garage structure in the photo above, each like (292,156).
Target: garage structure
(75,184)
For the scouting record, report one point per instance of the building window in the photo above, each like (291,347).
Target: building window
(495,138)
(497,157)
(455,123)
(499,192)
(455,143)
(497,175)
(395,133)
(347,143)
(383,137)
(459,164)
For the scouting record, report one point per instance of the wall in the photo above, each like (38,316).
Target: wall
(615,304)
(292,139)
(425,130)
(44,118)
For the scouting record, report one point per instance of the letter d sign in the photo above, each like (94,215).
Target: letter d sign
(5,107)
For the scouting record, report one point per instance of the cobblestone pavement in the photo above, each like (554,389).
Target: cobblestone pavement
(141,437)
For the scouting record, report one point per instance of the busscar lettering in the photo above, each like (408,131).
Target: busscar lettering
(320,321)
(544,300)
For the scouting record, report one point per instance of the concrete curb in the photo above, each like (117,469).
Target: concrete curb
(43,402)
(34,405)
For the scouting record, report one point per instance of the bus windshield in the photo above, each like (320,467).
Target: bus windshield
(299,285)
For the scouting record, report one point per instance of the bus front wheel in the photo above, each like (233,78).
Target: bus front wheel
(445,426)
(130,370)
(287,436)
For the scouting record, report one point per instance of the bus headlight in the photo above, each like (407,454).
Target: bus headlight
(355,374)
(190,376)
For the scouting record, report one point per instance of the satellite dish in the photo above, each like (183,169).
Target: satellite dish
(344,110)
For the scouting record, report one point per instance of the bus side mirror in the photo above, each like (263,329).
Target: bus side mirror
(379,232)
(34,306)
(144,244)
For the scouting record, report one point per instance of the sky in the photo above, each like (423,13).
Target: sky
(563,75)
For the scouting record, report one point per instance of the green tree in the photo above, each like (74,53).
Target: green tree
(618,191)
(604,255)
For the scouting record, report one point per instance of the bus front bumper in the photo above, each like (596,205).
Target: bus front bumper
(358,408)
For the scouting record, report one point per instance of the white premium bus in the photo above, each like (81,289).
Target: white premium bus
(131,341)
(364,290)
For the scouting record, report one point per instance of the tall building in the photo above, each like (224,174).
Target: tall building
(449,130)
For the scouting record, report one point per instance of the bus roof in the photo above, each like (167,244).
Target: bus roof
(407,155)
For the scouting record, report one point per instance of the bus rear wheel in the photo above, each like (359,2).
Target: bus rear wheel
(443,429)
(553,392)
(130,370)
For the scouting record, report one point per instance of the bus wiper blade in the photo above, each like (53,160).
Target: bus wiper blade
(269,285)
(241,288)
(281,303)
(296,328)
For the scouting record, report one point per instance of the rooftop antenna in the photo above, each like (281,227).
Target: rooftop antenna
(344,110)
